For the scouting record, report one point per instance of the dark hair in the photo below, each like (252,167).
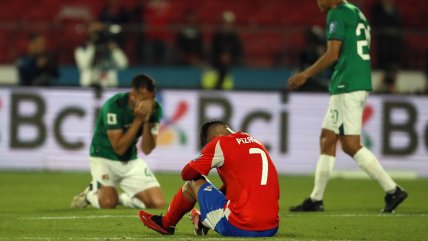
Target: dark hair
(143,81)
(203,134)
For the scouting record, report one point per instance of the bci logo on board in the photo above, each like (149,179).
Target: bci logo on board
(227,109)
(405,127)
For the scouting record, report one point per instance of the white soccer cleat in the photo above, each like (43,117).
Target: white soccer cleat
(79,201)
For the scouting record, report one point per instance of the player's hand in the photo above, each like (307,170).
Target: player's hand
(296,81)
(143,109)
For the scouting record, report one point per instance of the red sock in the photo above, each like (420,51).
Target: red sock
(179,206)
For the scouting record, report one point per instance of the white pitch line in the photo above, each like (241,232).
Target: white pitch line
(134,238)
(392,215)
(77,217)
(286,215)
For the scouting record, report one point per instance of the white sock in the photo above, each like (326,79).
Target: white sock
(92,197)
(133,202)
(368,162)
(322,174)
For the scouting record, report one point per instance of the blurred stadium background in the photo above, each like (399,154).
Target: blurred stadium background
(53,124)
(45,130)
(271,33)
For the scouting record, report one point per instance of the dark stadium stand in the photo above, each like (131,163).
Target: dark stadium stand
(269,28)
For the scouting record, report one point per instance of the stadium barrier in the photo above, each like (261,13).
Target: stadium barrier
(270,79)
(51,128)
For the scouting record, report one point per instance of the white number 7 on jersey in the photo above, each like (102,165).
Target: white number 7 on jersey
(265,167)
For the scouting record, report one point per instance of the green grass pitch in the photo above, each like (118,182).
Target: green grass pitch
(35,206)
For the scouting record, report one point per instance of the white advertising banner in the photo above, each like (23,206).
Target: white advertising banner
(52,128)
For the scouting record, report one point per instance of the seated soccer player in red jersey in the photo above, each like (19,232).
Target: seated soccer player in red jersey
(247,203)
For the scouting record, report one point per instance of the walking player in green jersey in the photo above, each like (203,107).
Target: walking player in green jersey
(113,153)
(348,45)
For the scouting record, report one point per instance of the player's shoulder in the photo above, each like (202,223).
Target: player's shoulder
(236,138)
(343,10)
(211,146)
(119,100)
(118,96)
(240,134)
(224,140)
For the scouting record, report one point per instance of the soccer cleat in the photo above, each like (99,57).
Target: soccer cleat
(394,199)
(154,222)
(79,201)
(195,218)
(308,206)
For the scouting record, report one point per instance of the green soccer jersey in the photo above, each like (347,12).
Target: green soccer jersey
(352,71)
(117,114)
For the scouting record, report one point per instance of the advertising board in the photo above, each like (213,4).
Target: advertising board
(52,128)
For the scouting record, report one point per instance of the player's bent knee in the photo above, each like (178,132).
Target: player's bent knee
(350,148)
(349,151)
(187,187)
(328,141)
(107,197)
(108,203)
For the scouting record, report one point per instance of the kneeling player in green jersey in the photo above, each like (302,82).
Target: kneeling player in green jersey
(348,35)
(113,153)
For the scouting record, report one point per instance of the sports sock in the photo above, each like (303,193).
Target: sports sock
(138,203)
(133,202)
(92,198)
(368,162)
(178,207)
(322,174)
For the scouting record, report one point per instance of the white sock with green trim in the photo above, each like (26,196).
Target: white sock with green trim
(322,174)
(92,198)
(133,202)
(370,164)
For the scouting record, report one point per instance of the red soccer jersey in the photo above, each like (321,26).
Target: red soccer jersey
(250,177)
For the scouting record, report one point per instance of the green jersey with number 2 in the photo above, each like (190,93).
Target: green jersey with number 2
(352,71)
(117,115)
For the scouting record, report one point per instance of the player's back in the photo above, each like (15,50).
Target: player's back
(252,183)
(352,71)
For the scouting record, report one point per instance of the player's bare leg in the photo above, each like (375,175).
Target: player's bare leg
(151,198)
(191,188)
(370,164)
(107,197)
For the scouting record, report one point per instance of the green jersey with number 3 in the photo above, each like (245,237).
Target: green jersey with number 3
(352,71)
(116,114)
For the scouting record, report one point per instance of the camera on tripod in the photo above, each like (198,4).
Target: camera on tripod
(103,39)
(103,36)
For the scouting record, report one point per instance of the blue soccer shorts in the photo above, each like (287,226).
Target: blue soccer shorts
(212,203)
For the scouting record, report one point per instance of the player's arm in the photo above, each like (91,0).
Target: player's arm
(150,135)
(201,165)
(326,60)
(188,173)
(151,127)
(122,140)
